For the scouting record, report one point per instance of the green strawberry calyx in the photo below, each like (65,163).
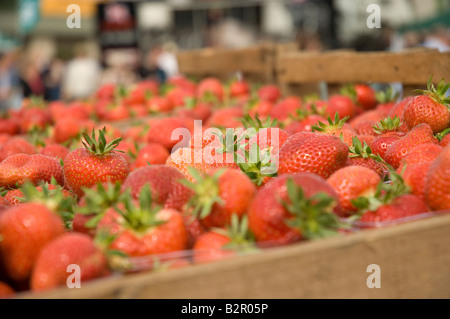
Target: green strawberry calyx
(241,239)
(100,146)
(385,194)
(440,136)
(358,150)
(257,124)
(386,96)
(387,125)
(438,93)
(313,216)
(206,192)
(142,216)
(331,126)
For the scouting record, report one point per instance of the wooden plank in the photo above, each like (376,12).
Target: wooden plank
(414,260)
(409,67)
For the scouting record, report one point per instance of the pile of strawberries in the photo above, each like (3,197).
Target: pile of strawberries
(78,187)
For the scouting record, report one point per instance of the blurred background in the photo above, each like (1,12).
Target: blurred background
(43,54)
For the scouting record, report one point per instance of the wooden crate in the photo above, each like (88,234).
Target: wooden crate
(256,63)
(414,259)
(412,68)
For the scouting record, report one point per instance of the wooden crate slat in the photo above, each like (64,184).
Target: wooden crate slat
(409,67)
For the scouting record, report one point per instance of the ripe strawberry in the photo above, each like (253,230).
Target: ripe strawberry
(161,132)
(372,115)
(437,189)
(239,89)
(66,129)
(17,169)
(5,290)
(423,153)
(304,125)
(365,128)
(51,266)
(151,154)
(361,155)
(445,141)
(8,126)
(25,229)
(164,183)
(34,118)
(286,108)
(398,109)
(314,153)
(351,183)
(218,195)
(389,125)
(386,100)
(97,162)
(368,139)
(391,201)
(270,93)
(226,118)
(210,89)
(177,97)
(337,128)
(185,157)
(55,150)
(342,105)
(294,207)
(106,92)
(143,229)
(159,104)
(16,145)
(415,177)
(421,134)
(224,243)
(365,96)
(432,108)
(260,108)
(381,143)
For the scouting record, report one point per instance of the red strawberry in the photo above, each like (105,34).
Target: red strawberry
(34,118)
(162,131)
(66,129)
(365,128)
(106,92)
(16,145)
(445,141)
(342,105)
(17,169)
(5,290)
(361,155)
(159,104)
(423,153)
(270,93)
(352,182)
(184,157)
(305,125)
(220,194)
(314,153)
(398,109)
(380,144)
(432,108)
(437,190)
(415,177)
(226,118)
(8,126)
(25,229)
(223,243)
(365,96)
(142,229)
(421,134)
(151,154)
(261,108)
(55,150)
(294,207)
(286,108)
(372,115)
(97,162)
(51,269)
(164,184)
(239,89)
(210,88)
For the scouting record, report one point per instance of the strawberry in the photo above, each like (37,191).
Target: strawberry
(286,108)
(163,132)
(260,108)
(25,229)
(365,128)
(185,157)
(380,144)
(389,125)
(210,89)
(106,92)
(226,118)
(341,105)
(34,118)
(423,153)
(151,154)
(351,183)
(270,93)
(51,266)
(386,100)
(338,128)
(97,162)
(372,115)
(391,201)
(365,96)
(218,195)
(16,145)
(66,129)
(437,189)
(314,153)
(177,97)
(17,169)
(159,104)
(5,290)
(432,108)
(239,89)
(293,207)
(361,155)
(164,182)
(305,125)
(56,151)
(141,229)
(8,126)
(421,134)
(224,243)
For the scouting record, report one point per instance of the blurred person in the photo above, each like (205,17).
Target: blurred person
(438,39)
(10,92)
(167,60)
(31,78)
(82,75)
(53,77)
(151,68)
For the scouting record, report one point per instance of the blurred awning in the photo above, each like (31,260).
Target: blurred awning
(442,19)
(58,8)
